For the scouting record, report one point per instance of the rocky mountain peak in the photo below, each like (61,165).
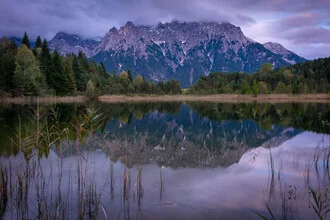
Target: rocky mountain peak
(113,30)
(276,48)
(128,29)
(130,24)
(63,34)
(178,50)
(286,54)
(72,43)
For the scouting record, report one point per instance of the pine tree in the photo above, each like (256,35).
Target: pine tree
(25,40)
(58,77)
(46,67)
(8,51)
(130,77)
(71,85)
(102,71)
(38,42)
(102,76)
(83,60)
(92,67)
(79,75)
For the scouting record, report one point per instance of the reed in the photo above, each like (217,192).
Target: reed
(29,181)
(320,192)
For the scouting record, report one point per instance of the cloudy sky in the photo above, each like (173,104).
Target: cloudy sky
(302,26)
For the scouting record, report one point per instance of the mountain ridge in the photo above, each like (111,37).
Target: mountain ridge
(177,50)
(287,55)
(184,51)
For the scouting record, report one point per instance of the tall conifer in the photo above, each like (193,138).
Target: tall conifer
(25,40)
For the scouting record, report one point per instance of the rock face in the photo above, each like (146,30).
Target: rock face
(287,55)
(182,51)
(72,43)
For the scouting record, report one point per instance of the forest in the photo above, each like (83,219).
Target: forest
(38,71)
(309,77)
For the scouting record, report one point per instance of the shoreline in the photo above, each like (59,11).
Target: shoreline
(221,98)
(43,100)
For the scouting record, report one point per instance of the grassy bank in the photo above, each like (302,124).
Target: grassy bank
(229,98)
(45,100)
(226,98)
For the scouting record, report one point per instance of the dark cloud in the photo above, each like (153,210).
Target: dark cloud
(245,19)
(283,5)
(310,35)
(297,21)
(279,20)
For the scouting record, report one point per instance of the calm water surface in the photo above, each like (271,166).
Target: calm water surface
(164,161)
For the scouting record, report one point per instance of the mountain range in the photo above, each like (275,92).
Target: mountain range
(177,50)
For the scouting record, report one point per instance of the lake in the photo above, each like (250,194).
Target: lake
(190,160)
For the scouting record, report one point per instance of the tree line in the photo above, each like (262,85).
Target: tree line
(309,77)
(39,71)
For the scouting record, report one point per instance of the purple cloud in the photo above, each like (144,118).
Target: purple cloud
(278,20)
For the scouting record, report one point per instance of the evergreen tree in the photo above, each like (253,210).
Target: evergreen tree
(71,85)
(130,77)
(38,42)
(79,75)
(46,65)
(25,40)
(93,68)
(102,76)
(37,49)
(8,51)
(83,60)
(102,71)
(58,77)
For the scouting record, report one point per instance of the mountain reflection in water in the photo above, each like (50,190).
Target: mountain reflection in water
(164,161)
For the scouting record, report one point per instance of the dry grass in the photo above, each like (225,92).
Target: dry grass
(45,100)
(226,98)
(230,98)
